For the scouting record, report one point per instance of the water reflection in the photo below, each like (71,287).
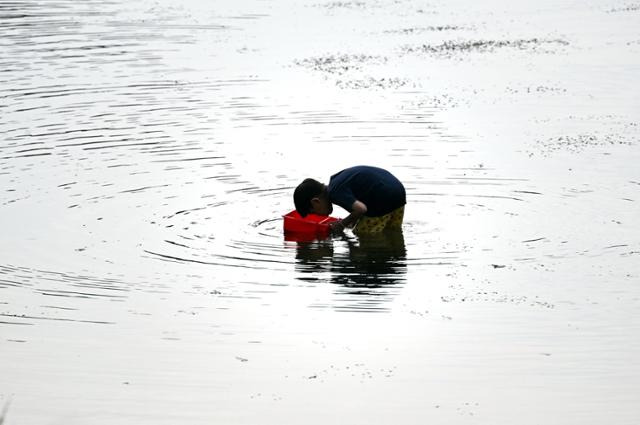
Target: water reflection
(369,270)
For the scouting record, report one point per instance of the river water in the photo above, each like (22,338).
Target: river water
(149,149)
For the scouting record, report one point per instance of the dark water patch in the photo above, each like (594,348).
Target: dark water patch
(482,295)
(540,89)
(341,63)
(633,7)
(580,142)
(587,132)
(372,83)
(450,49)
(440,101)
(431,28)
(333,5)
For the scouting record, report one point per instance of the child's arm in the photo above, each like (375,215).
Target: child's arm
(358,209)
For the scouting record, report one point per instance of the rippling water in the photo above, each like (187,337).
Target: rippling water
(149,149)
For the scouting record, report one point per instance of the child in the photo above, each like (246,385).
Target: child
(374,198)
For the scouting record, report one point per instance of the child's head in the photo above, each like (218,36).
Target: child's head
(311,196)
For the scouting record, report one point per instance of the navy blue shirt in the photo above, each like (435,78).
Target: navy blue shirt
(378,189)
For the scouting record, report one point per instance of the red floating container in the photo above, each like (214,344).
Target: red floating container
(308,227)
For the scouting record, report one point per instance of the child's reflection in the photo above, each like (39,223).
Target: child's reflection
(369,264)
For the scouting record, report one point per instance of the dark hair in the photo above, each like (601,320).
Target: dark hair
(304,193)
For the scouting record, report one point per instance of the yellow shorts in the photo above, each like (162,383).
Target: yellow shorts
(390,221)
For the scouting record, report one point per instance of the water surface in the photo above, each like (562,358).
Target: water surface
(149,149)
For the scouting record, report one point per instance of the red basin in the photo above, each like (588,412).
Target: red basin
(297,227)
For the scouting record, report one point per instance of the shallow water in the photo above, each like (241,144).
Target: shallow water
(147,153)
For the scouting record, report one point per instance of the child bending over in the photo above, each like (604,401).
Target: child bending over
(373,197)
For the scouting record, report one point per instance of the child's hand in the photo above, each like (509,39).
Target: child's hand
(336,226)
